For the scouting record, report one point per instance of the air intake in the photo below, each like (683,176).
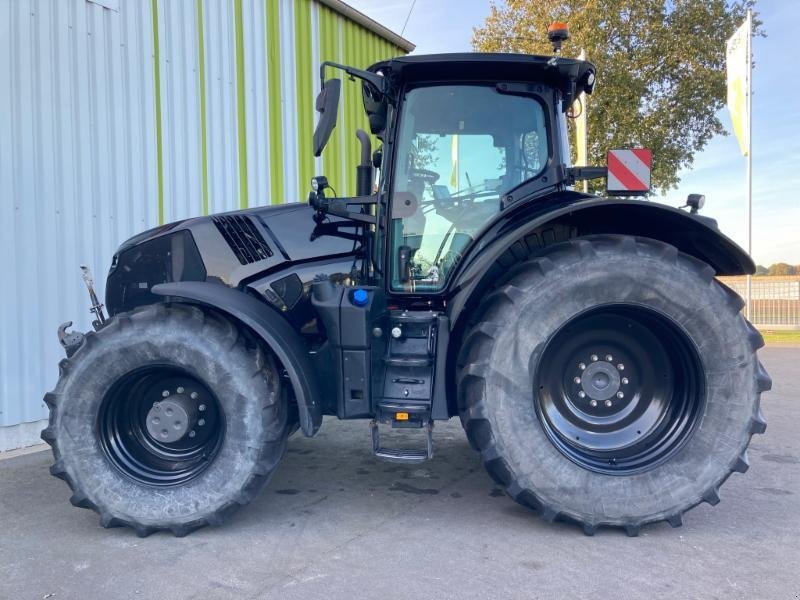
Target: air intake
(244,239)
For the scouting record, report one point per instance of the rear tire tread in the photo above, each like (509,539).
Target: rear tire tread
(470,376)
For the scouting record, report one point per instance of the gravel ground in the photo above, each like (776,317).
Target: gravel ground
(336,523)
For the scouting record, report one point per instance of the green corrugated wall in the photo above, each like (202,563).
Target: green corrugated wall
(254,69)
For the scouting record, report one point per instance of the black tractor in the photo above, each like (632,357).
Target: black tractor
(597,365)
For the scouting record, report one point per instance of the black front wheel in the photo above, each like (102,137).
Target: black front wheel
(611,381)
(167,418)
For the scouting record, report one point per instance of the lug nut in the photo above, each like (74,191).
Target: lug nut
(621,367)
(593,403)
(624,381)
(192,433)
(581,394)
(201,422)
(201,408)
(165,393)
(577,380)
(180,390)
(396,332)
(594,357)
(581,366)
(620,395)
(193,395)
(608,403)
(609,358)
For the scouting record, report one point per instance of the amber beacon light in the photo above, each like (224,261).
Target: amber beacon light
(557,32)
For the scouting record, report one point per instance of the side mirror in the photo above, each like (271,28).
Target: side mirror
(327,106)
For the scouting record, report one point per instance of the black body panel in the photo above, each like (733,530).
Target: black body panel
(202,249)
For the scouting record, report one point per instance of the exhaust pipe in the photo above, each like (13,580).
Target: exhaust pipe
(364,173)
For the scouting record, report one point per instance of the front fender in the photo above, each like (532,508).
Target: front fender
(267,324)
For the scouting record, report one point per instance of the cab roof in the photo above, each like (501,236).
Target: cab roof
(559,73)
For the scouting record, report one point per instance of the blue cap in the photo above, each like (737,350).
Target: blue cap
(360,297)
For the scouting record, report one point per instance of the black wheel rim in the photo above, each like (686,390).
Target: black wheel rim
(160,425)
(620,389)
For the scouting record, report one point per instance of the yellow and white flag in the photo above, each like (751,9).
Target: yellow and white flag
(738,71)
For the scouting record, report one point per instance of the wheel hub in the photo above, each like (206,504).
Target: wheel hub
(171,419)
(600,380)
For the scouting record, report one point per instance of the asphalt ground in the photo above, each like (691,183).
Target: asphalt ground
(336,523)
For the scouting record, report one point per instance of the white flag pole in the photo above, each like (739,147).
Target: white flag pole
(748,104)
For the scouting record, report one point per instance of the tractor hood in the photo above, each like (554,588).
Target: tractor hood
(229,248)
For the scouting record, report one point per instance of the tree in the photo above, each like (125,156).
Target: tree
(781,269)
(660,67)
(761,270)
(425,151)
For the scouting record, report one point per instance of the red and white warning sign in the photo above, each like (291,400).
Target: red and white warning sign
(629,171)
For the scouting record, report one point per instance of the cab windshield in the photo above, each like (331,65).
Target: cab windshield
(460,149)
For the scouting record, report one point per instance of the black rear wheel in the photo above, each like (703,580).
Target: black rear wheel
(167,418)
(611,381)
(620,389)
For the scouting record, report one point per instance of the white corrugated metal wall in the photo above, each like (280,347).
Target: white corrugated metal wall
(107,129)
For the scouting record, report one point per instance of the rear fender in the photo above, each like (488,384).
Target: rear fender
(520,234)
(691,234)
(270,327)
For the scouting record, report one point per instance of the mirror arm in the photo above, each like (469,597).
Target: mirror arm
(574,174)
(338,207)
(373,78)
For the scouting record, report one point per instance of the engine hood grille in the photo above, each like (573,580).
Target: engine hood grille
(243,237)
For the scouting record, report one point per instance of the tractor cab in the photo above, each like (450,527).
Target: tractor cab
(464,136)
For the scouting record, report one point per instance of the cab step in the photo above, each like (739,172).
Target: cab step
(402,455)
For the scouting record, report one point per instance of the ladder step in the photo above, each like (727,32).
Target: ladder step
(407,361)
(407,456)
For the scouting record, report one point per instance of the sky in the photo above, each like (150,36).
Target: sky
(719,170)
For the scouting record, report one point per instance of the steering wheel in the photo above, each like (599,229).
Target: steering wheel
(429,177)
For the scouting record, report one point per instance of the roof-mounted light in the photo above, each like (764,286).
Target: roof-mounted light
(557,32)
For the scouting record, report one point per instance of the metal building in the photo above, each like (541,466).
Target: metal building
(119,115)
